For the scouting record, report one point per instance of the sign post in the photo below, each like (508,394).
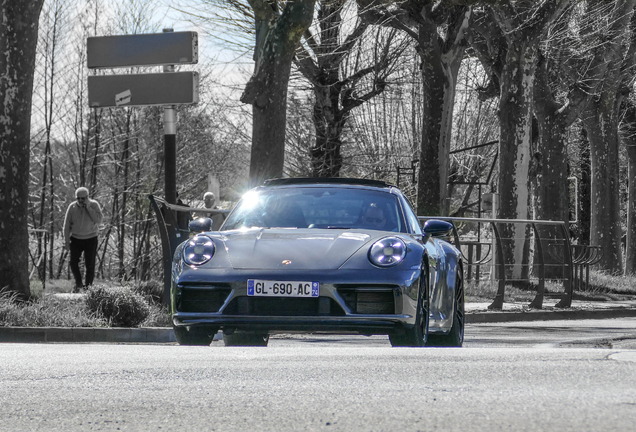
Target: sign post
(170,144)
(168,89)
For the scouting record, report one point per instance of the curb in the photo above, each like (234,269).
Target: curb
(86,334)
(548,315)
(166,335)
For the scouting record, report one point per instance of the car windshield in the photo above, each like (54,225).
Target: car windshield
(318,207)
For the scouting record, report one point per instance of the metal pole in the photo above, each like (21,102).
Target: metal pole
(170,145)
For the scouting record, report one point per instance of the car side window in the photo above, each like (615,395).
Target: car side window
(411,217)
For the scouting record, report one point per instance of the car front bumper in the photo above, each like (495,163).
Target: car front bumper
(350,302)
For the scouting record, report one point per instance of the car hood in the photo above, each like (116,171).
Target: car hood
(293,249)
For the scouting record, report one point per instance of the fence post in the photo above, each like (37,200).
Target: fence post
(566,300)
(499,265)
(537,303)
(165,249)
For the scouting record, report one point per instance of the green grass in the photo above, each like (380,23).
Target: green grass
(50,309)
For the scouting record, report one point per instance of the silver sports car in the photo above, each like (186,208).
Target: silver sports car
(343,256)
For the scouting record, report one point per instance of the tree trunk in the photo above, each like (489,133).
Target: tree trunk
(550,179)
(515,119)
(431,190)
(329,121)
(585,204)
(277,36)
(18,41)
(601,124)
(630,247)
(439,69)
(329,117)
(550,172)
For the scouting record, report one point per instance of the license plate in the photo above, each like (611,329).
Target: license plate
(268,288)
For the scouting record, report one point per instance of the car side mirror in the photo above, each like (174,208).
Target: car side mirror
(200,225)
(437,228)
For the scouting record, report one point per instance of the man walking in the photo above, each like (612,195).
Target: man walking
(81,226)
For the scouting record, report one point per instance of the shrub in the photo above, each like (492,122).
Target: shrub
(158,317)
(48,311)
(120,306)
(151,290)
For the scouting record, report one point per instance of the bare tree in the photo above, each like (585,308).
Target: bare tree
(438,29)
(572,72)
(510,51)
(49,107)
(279,28)
(276,27)
(601,120)
(18,41)
(629,137)
(337,62)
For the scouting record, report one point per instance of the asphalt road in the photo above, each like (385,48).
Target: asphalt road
(508,377)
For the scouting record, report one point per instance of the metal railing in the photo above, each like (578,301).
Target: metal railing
(553,258)
(583,257)
(552,254)
(172,220)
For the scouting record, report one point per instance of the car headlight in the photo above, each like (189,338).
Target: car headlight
(387,252)
(198,250)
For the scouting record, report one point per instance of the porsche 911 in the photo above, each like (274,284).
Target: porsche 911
(332,256)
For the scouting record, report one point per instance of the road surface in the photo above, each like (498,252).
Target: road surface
(507,377)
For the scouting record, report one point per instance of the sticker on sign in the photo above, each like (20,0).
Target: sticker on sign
(123,98)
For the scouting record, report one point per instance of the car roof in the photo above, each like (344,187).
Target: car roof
(322,181)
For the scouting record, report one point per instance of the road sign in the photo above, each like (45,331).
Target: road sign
(143,89)
(143,50)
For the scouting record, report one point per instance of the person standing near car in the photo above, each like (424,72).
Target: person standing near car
(217,218)
(81,227)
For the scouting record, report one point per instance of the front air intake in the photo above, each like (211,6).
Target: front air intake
(370,301)
(201,298)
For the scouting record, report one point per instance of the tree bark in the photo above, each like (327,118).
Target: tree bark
(585,204)
(329,114)
(522,29)
(277,37)
(549,175)
(18,41)
(439,76)
(440,57)
(550,170)
(515,119)
(440,63)
(630,144)
(601,124)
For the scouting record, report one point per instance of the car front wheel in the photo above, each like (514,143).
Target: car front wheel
(416,336)
(455,338)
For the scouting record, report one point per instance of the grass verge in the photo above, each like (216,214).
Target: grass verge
(47,308)
(55,307)
(602,287)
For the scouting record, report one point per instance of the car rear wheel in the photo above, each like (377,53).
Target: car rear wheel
(416,335)
(245,339)
(455,338)
(194,335)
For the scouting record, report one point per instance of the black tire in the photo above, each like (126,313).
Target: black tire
(416,336)
(194,336)
(245,339)
(455,338)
